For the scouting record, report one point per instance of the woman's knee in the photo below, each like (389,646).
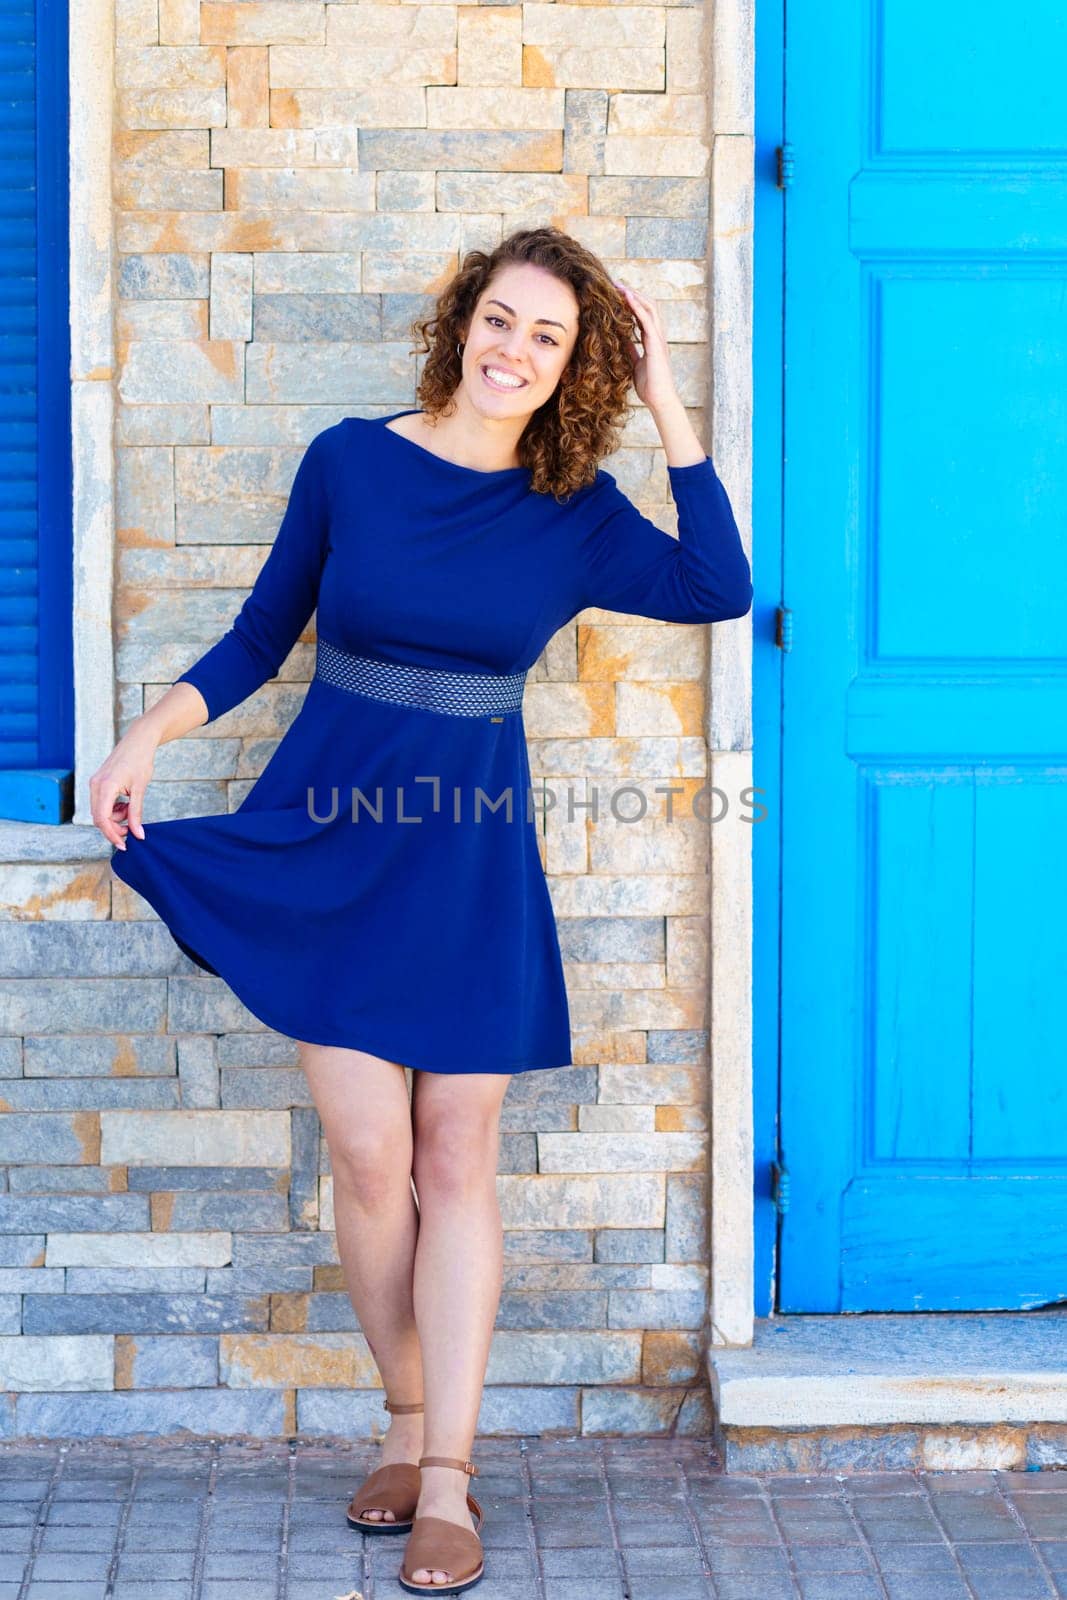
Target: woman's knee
(366,1119)
(456,1147)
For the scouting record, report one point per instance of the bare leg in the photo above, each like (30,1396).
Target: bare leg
(363,1104)
(459,1258)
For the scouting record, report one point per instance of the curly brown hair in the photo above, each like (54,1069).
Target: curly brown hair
(582,419)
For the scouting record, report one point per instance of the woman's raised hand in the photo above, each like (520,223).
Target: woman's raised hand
(653,378)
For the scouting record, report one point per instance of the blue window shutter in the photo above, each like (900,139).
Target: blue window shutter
(36,588)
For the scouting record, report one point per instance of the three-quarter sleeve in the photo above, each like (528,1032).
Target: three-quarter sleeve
(285,592)
(631,565)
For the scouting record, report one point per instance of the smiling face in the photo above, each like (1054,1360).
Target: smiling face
(524,325)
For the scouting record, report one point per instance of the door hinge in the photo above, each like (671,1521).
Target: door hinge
(780,1186)
(783,628)
(785,165)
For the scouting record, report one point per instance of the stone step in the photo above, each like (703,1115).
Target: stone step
(888,1391)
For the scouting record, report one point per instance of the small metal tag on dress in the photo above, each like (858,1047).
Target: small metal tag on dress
(496,719)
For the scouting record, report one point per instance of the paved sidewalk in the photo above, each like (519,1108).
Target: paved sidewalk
(570,1519)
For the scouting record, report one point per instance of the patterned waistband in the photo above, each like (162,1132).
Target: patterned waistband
(460,694)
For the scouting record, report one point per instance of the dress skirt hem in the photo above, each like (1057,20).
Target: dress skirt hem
(312,1035)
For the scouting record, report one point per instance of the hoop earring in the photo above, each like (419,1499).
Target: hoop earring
(459,350)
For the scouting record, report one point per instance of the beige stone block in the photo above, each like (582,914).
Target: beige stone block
(544,67)
(562,710)
(307,189)
(334,370)
(622,1200)
(675,115)
(655,156)
(639,1008)
(35,891)
(262,22)
(490,46)
(681,1119)
(296,1361)
(194,67)
(339,147)
(179,22)
(326,1217)
(195,1138)
(137,21)
(231,297)
(121,1249)
(147,150)
(687,950)
(166,424)
(565,830)
(526,199)
(211,370)
(234,473)
(262,147)
(644,1084)
(620,1152)
(483,107)
(283,273)
(410,26)
(664,759)
(144,509)
(397,106)
(652,895)
(650,845)
(590,1046)
(613,975)
(616,1119)
(672,651)
(686,44)
(247,88)
(409,272)
(192,567)
(168,189)
(159,319)
(170,108)
(593,27)
(660,708)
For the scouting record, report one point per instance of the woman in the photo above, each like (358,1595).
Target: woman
(442,549)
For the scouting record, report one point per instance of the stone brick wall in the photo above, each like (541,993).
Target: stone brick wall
(290,184)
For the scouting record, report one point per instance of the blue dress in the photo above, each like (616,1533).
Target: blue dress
(379,886)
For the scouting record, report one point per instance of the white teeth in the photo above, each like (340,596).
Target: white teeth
(503,378)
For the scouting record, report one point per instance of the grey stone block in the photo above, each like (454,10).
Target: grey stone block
(91,1094)
(284,1249)
(101,1056)
(629,1244)
(60,1180)
(246,1211)
(143,1313)
(667,1046)
(209,1413)
(165,1361)
(29,1214)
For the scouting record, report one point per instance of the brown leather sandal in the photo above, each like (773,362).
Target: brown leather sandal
(393,1488)
(443,1546)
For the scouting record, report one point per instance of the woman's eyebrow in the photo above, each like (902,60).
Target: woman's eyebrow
(511,313)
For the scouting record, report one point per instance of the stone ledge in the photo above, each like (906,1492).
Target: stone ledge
(891,1390)
(52,843)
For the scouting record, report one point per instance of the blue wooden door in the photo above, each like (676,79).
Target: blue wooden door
(923,1092)
(36,557)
